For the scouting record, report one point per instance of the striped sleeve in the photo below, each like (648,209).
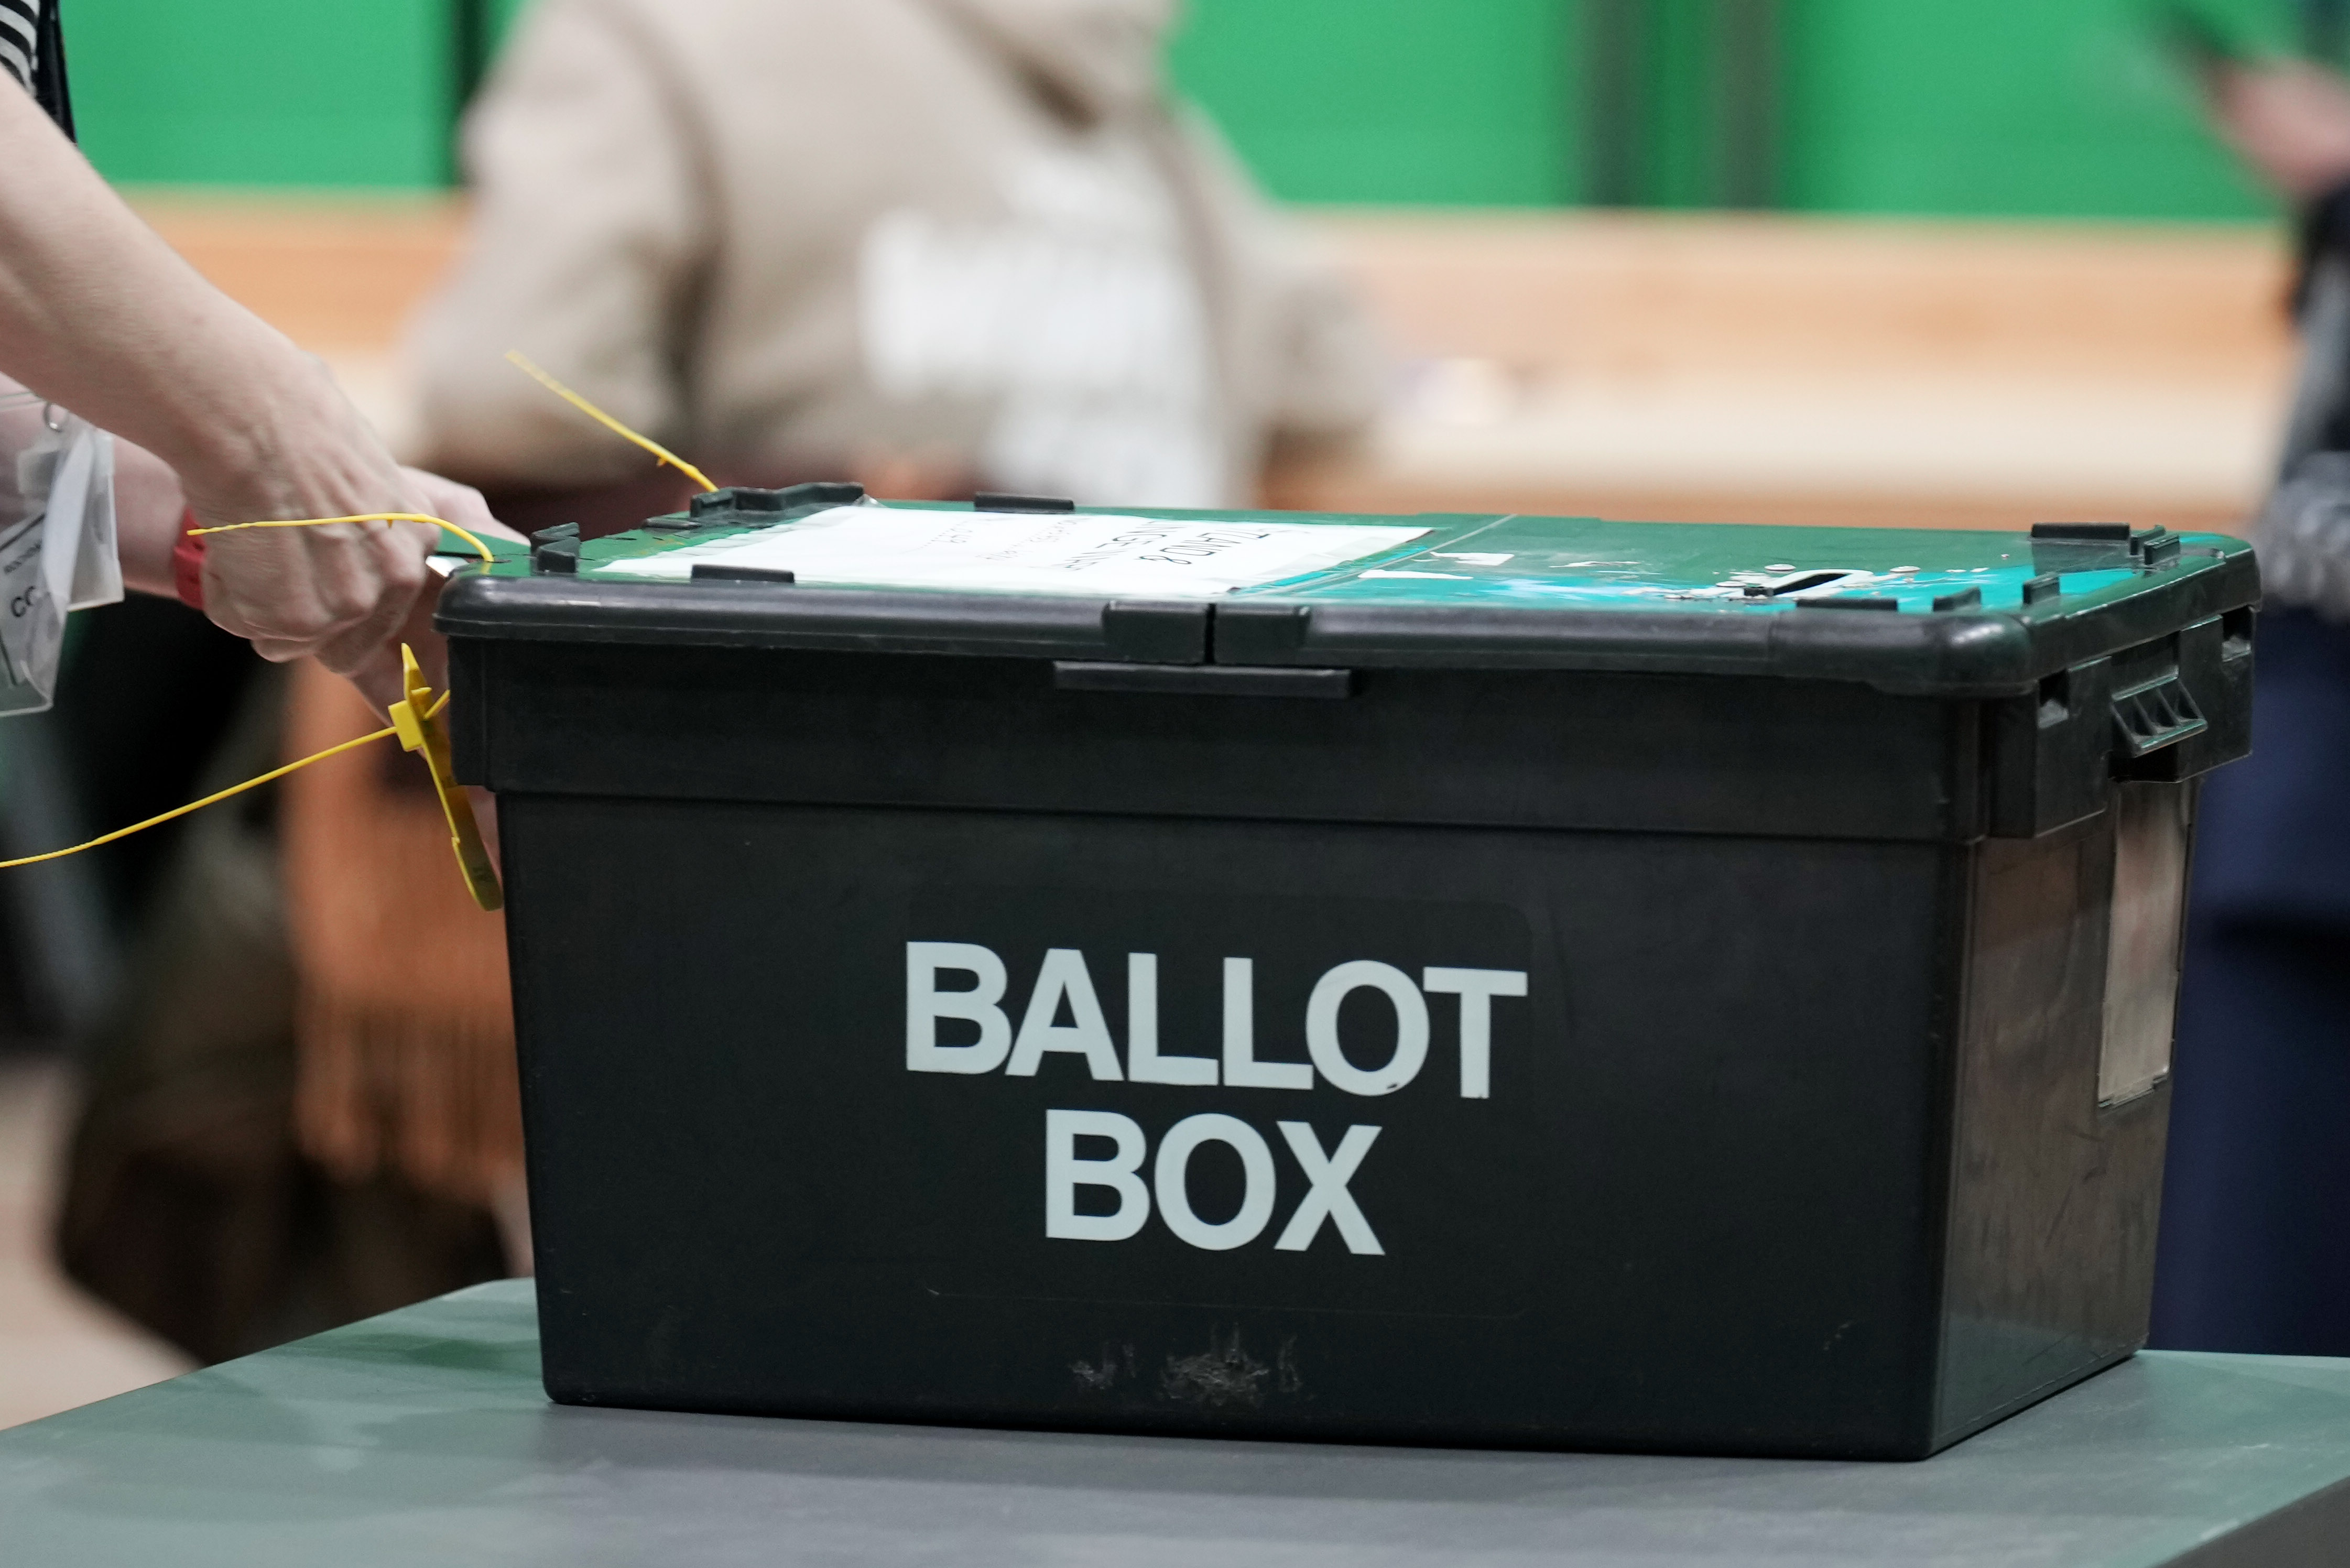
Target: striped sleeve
(20,31)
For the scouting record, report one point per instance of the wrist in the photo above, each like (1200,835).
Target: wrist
(244,434)
(293,446)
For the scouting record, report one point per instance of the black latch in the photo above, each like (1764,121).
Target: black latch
(2058,547)
(1157,633)
(2159,713)
(992,501)
(720,572)
(1969,598)
(1851,601)
(1261,633)
(733,500)
(741,503)
(556,550)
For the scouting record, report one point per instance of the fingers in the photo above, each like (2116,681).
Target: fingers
(401,577)
(347,595)
(459,504)
(333,591)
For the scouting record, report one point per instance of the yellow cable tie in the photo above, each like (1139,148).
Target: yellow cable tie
(521,361)
(362,517)
(420,731)
(250,784)
(274,774)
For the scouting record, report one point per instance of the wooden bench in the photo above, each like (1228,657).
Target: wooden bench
(1687,367)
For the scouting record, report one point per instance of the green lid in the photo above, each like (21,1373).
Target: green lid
(1905,609)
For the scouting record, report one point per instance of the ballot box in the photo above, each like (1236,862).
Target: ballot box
(1497,981)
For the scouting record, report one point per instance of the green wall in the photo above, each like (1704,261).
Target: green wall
(261,92)
(2035,107)
(1975,106)
(1456,101)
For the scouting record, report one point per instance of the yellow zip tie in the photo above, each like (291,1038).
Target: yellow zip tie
(362,517)
(420,730)
(208,800)
(410,717)
(522,362)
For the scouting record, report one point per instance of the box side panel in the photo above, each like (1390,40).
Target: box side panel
(2054,1196)
(1681,1205)
(1701,755)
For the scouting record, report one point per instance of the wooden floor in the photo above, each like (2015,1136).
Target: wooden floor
(59,1348)
(1677,367)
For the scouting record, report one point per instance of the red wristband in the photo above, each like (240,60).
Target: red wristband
(188,564)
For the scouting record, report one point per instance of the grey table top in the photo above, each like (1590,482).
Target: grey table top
(422,1437)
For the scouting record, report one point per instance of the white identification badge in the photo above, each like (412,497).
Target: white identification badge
(56,540)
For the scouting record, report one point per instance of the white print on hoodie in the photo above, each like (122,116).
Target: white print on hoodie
(1078,315)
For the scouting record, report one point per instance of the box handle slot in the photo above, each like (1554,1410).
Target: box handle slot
(2156,714)
(1203,680)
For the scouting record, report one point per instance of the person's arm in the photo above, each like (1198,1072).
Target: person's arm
(148,510)
(97,313)
(2290,121)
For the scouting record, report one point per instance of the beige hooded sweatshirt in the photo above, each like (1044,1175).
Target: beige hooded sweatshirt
(790,237)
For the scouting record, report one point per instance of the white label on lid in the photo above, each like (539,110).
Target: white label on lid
(1032,553)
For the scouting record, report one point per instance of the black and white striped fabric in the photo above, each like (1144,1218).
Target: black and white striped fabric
(20,34)
(33,51)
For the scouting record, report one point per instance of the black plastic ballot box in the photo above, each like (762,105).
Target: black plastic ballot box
(1475,980)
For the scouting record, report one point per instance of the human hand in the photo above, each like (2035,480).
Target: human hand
(334,593)
(2290,121)
(377,676)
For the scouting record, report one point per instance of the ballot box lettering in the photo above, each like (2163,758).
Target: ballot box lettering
(1529,981)
(1210,1076)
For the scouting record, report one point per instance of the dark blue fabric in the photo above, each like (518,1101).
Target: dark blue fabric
(2255,1246)
(2272,843)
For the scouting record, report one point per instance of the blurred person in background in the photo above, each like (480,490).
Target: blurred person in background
(944,245)
(2255,1247)
(936,245)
